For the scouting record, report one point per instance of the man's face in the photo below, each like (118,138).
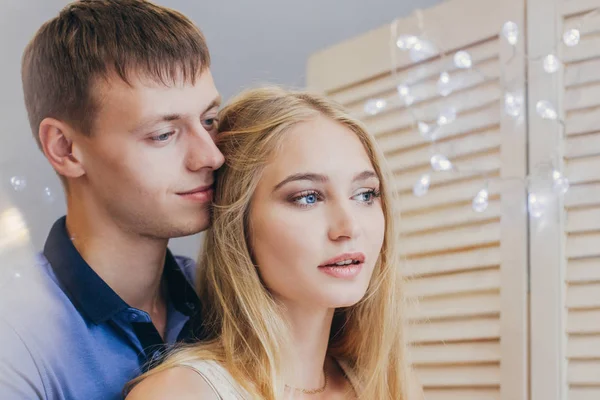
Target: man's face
(149,163)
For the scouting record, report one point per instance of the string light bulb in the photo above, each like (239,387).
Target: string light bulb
(546,110)
(421,187)
(560,183)
(551,63)
(571,37)
(481,201)
(407,42)
(440,162)
(18,183)
(447,116)
(375,106)
(405,95)
(513,104)
(444,85)
(510,31)
(463,60)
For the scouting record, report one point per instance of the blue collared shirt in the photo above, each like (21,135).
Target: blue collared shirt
(65,334)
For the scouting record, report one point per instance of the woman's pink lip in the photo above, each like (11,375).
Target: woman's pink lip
(345,272)
(357,256)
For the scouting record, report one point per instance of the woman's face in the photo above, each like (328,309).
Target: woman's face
(316,219)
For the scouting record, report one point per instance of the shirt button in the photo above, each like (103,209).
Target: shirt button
(133,316)
(191,305)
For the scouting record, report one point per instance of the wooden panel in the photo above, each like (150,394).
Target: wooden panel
(586,96)
(472,99)
(583,146)
(588,48)
(463,394)
(569,7)
(456,147)
(585,321)
(582,121)
(455,331)
(583,393)
(456,194)
(583,169)
(584,347)
(582,73)
(583,296)
(447,218)
(584,372)
(584,270)
(485,304)
(585,219)
(470,281)
(459,376)
(482,54)
(328,69)
(583,195)
(583,245)
(452,262)
(466,167)
(456,353)
(426,91)
(453,239)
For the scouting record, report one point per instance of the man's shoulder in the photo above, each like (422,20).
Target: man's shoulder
(31,296)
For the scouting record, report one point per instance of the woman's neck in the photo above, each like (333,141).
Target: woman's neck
(304,362)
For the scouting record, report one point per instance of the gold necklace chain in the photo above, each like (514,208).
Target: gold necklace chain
(312,391)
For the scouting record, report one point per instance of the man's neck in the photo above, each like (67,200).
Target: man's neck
(132,265)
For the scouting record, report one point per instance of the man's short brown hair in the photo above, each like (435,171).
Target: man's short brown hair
(92,39)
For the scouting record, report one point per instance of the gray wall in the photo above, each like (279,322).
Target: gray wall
(250,41)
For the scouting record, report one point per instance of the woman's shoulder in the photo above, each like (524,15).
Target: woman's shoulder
(179,382)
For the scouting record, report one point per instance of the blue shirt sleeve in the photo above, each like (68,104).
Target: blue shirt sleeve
(20,378)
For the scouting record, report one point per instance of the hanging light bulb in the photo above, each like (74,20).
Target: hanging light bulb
(551,63)
(405,95)
(463,60)
(481,201)
(407,42)
(439,162)
(447,116)
(375,106)
(560,183)
(421,187)
(510,31)
(536,205)
(444,86)
(427,131)
(571,37)
(513,104)
(546,110)
(18,183)
(422,50)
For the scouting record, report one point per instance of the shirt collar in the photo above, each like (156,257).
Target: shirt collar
(91,295)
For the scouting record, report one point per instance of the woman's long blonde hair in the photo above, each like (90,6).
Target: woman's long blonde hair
(247,330)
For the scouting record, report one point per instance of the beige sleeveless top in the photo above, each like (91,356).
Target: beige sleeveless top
(226,388)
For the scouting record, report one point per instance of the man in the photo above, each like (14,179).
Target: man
(121,101)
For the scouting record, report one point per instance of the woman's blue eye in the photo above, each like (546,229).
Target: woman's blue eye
(368,196)
(307,199)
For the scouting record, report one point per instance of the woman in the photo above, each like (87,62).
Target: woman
(299,270)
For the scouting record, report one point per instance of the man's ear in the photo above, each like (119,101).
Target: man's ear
(56,138)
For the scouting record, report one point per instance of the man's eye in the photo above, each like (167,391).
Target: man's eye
(163,137)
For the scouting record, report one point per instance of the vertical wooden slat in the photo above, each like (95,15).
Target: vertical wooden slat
(514,317)
(546,239)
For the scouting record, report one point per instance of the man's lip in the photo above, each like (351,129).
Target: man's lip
(197,190)
(358,256)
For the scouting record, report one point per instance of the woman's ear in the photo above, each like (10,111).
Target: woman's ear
(56,139)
